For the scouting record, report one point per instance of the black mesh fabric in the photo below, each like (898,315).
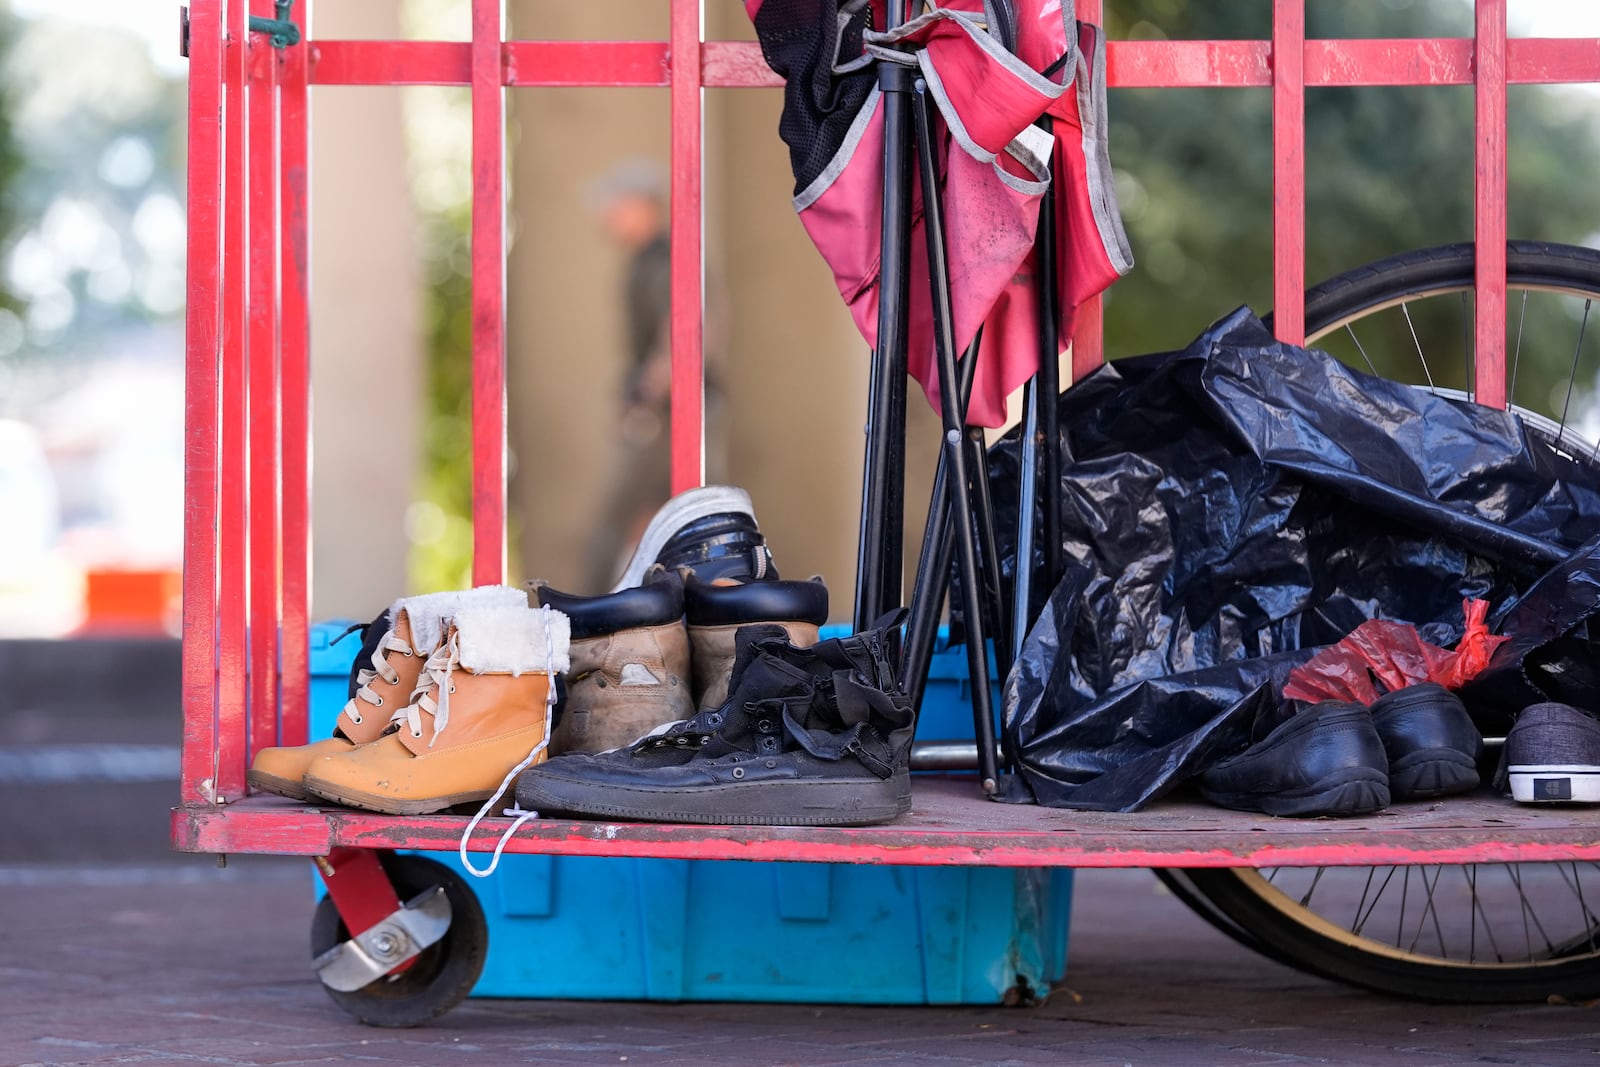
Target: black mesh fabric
(797,39)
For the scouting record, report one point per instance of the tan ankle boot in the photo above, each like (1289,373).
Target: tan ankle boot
(630,663)
(481,708)
(414,628)
(622,686)
(716,610)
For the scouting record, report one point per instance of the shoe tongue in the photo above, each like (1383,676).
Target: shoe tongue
(746,646)
(764,677)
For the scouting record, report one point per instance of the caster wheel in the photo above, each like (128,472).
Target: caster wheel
(441,976)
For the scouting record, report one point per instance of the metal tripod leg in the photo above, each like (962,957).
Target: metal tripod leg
(955,439)
(878,550)
(1040,427)
(933,565)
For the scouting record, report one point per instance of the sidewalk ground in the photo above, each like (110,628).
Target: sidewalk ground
(178,962)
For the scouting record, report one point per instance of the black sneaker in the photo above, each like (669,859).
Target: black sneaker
(1327,760)
(835,753)
(711,531)
(1432,744)
(1552,755)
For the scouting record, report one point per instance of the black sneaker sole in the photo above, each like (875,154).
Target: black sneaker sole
(1355,791)
(765,803)
(1434,772)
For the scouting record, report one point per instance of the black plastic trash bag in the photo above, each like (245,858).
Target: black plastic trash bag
(1229,509)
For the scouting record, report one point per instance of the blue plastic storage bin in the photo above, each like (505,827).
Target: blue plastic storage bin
(584,927)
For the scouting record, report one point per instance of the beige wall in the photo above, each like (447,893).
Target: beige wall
(366,342)
(793,366)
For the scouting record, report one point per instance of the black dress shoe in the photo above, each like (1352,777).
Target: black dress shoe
(1432,744)
(1327,760)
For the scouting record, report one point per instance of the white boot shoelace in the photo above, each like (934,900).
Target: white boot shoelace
(516,810)
(380,669)
(435,675)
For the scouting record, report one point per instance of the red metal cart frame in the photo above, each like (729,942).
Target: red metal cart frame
(247,473)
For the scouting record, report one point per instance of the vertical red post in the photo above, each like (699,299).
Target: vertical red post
(203,339)
(1289,170)
(263,401)
(295,353)
(233,597)
(1088,331)
(488,295)
(1489,77)
(688,364)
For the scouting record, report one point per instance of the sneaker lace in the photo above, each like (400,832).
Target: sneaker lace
(380,668)
(516,810)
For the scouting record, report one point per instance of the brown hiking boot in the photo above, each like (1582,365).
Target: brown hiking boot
(481,709)
(716,610)
(386,670)
(630,664)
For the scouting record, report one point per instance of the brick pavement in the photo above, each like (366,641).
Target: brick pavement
(181,963)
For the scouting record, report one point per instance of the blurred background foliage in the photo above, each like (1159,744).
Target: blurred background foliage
(1388,170)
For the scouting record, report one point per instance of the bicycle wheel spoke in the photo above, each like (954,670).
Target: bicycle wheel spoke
(1573,377)
(1430,911)
(1361,924)
(1306,900)
(1400,920)
(1362,350)
(1516,358)
(1405,309)
(1529,915)
(1586,916)
(1477,907)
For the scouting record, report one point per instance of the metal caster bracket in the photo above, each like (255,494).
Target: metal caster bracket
(393,942)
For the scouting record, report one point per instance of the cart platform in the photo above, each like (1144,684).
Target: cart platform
(950,824)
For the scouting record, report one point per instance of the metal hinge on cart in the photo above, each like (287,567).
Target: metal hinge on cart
(280,28)
(398,939)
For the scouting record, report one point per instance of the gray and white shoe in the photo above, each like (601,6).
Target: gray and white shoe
(1553,756)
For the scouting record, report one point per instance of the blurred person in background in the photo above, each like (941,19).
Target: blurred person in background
(631,200)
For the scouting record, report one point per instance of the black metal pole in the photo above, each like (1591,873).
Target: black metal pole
(878,549)
(993,593)
(933,565)
(1049,384)
(1040,431)
(955,440)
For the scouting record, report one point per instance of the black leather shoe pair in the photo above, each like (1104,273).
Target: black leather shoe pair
(1346,759)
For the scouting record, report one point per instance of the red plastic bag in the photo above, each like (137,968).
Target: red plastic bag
(1394,655)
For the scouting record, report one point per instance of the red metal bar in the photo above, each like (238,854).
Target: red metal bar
(1489,54)
(587,63)
(1546,61)
(359,886)
(295,356)
(950,824)
(1188,64)
(688,369)
(203,340)
(233,596)
(265,586)
(1130,64)
(1289,170)
(488,296)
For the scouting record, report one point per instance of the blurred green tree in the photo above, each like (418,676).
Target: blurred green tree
(1387,170)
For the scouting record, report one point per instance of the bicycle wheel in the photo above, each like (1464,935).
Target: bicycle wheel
(1469,933)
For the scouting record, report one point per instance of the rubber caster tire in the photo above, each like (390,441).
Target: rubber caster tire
(442,974)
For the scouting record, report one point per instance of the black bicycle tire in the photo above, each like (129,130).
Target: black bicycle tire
(1235,905)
